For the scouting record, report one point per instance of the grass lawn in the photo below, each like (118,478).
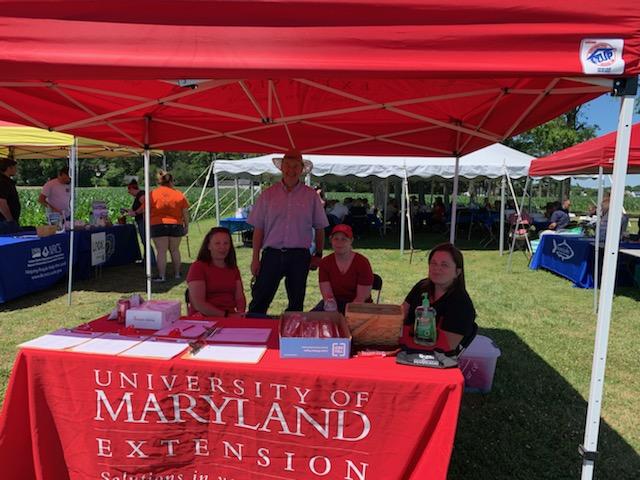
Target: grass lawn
(528,427)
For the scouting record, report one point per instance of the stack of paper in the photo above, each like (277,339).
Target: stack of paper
(156,348)
(108,344)
(60,340)
(228,353)
(240,335)
(185,329)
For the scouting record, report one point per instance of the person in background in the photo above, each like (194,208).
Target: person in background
(320,193)
(9,199)
(559,218)
(137,212)
(339,211)
(215,285)
(345,276)
(283,219)
(447,293)
(169,223)
(566,206)
(56,193)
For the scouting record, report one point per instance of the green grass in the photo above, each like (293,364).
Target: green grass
(528,427)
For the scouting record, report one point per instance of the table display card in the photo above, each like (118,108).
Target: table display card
(160,349)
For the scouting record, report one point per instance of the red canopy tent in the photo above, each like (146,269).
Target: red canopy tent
(587,157)
(419,77)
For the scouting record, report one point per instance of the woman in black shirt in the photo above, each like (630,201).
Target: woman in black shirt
(445,286)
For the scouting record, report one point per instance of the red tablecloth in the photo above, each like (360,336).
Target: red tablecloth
(79,416)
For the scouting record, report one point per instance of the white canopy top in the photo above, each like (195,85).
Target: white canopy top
(488,162)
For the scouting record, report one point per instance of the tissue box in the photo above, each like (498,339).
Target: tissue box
(303,347)
(478,364)
(154,314)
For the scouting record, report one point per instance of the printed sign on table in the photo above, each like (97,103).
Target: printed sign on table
(98,248)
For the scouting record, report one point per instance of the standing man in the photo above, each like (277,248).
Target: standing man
(137,212)
(56,194)
(9,200)
(283,218)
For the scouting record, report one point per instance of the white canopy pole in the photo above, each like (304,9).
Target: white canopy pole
(253,192)
(454,201)
(385,206)
(503,194)
(204,189)
(237,192)
(216,189)
(147,209)
(73,158)
(403,213)
(596,388)
(596,263)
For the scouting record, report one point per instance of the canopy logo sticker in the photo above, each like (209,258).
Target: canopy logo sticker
(562,250)
(602,56)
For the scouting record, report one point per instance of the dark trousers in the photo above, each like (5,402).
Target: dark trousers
(140,225)
(8,227)
(293,265)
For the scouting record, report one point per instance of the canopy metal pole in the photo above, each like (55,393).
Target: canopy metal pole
(454,201)
(403,213)
(73,158)
(253,193)
(503,194)
(204,188)
(216,190)
(596,388)
(237,192)
(596,263)
(147,209)
(433,189)
(385,206)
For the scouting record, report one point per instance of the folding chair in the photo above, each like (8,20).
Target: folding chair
(377,285)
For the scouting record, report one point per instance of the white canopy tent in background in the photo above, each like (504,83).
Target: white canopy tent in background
(487,163)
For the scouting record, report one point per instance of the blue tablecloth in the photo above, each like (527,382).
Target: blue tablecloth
(30,263)
(235,224)
(572,257)
(122,248)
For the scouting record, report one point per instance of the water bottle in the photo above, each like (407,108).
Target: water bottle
(330,305)
(425,331)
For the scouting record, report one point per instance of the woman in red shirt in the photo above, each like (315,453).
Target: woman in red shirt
(215,286)
(345,276)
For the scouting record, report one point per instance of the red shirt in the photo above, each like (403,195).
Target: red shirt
(344,285)
(220,284)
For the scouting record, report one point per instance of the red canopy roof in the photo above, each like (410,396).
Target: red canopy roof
(401,77)
(585,158)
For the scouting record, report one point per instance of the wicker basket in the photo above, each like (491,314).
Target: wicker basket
(374,324)
(46,230)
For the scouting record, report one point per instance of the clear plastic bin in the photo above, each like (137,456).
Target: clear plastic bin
(478,364)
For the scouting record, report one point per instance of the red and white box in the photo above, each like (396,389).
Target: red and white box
(154,314)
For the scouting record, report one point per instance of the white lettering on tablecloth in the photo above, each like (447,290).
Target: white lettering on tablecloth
(276,409)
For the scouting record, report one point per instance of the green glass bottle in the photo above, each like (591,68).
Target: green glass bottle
(424,328)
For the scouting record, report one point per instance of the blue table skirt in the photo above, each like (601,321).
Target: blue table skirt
(235,224)
(572,257)
(122,248)
(30,264)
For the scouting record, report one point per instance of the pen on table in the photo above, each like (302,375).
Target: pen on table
(187,328)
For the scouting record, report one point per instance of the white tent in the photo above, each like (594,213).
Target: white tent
(493,161)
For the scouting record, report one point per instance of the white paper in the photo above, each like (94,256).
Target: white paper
(188,328)
(60,340)
(108,344)
(156,348)
(230,353)
(240,335)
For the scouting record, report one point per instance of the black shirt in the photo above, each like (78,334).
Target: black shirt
(454,310)
(137,204)
(9,192)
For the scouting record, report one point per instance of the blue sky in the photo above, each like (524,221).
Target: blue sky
(603,111)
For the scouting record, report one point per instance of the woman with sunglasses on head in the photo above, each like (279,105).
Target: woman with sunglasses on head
(447,294)
(215,286)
